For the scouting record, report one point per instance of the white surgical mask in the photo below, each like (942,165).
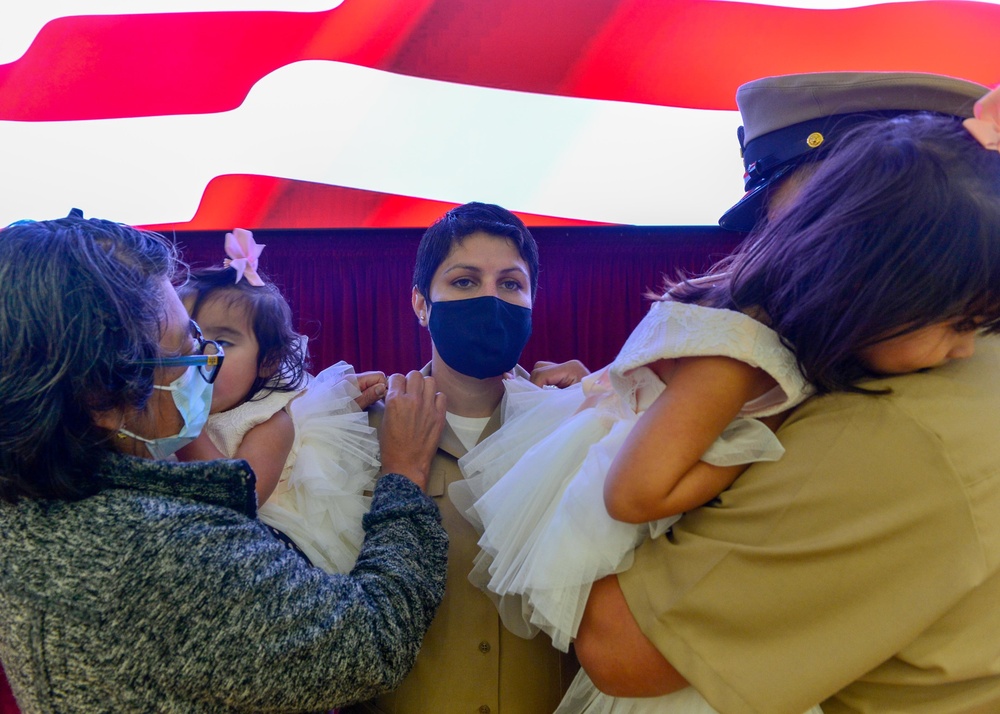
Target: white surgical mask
(193,399)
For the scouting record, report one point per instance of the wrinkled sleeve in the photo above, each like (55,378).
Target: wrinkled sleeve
(813,570)
(264,631)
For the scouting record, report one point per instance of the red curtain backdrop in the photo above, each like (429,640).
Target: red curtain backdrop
(350,289)
(7,703)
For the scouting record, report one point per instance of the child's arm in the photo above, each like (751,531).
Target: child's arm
(659,472)
(201,449)
(266,447)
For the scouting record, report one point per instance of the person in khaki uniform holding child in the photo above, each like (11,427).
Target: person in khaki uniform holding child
(474,282)
(861,570)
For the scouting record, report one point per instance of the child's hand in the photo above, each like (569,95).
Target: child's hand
(565,374)
(373,386)
(988,107)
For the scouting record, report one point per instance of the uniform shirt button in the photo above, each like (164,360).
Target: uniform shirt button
(485,708)
(484,647)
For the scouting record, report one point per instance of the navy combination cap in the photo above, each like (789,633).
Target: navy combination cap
(792,119)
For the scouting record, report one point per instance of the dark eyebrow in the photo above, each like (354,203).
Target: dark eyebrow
(470,268)
(478,270)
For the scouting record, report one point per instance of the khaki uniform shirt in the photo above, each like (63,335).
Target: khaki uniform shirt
(860,571)
(469,663)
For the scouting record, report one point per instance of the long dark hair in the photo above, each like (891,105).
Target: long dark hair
(282,359)
(81,301)
(899,228)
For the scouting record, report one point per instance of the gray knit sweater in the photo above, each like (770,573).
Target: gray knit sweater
(163,593)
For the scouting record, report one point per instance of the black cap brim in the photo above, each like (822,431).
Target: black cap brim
(746,213)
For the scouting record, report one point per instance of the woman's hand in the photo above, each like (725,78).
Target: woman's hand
(411,427)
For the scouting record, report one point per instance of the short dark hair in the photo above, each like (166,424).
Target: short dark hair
(463,221)
(899,228)
(282,359)
(81,300)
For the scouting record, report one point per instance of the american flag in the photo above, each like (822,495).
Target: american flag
(210,114)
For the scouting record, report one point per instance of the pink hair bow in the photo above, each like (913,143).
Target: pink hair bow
(243,252)
(985,127)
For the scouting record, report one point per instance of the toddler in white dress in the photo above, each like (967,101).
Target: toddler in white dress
(306,438)
(536,488)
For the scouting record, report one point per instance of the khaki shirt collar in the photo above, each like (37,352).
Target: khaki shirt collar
(450,443)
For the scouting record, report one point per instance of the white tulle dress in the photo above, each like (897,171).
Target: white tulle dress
(319,499)
(535,488)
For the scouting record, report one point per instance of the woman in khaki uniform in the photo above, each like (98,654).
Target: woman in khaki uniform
(863,568)
(474,283)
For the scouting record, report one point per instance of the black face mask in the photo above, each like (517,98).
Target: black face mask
(480,337)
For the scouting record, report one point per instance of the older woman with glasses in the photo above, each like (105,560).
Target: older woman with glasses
(134,584)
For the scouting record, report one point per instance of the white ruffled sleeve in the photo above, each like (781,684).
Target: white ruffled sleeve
(674,329)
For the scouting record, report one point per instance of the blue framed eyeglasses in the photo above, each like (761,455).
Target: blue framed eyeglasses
(208,358)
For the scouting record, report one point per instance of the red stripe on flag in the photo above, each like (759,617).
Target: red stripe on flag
(267,202)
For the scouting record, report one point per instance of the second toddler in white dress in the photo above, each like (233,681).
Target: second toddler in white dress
(547,534)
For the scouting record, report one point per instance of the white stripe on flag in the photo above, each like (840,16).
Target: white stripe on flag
(375,130)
